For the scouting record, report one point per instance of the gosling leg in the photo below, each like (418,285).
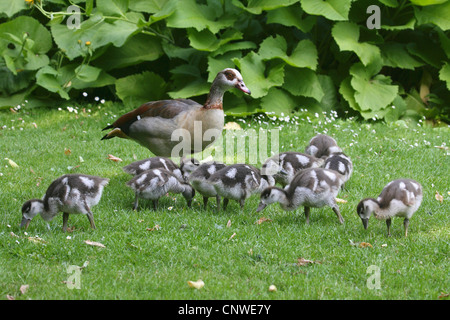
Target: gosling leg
(307,210)
(65,218)
(338,213)
(406,224)
(388,224)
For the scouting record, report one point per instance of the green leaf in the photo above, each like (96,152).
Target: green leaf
(25,30)
(240,106)
(395,111)
(87,73)
(427,2)
(303,82)
(291,17)
(68,79)
(278,101)
(112,7)
(329,100)
(257,6)
(205,40)
(336,10)
(191,89)
(12,7)
(137,89)
(371,93)
(189,14)
(390,3)
(148,6)
(235,46)
(346,35)
(95,30)
(303,55)
(254,72)
(47,77)
(138,48)
(435,14)
(11,82)
(216,64)
(444,74)
(396,55)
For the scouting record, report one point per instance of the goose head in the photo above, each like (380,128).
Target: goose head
(230,78)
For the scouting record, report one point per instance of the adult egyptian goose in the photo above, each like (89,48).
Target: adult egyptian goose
(399,198)
(175,128)
(70,193)
(312,187)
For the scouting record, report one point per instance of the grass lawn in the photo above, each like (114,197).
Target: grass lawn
(239,261)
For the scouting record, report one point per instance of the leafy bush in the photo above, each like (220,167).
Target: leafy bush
(308,54)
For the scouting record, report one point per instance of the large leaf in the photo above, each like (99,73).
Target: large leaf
(257,6)
(138,48)
(427,2)
(303,55)
(47,78)
(303,82)
(216,64)
(69,78)
(436,14)
(189,14)
(254,72)
(191,89)
(205,40)
(396,55)
(336,10)
(96,31)
(113,7)
(346,35)
(139,88)
(371,93)
(278,101)
(444,74)
(291,17)
(12,7)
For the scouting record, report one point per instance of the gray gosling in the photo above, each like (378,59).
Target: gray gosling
(198,180)
(155,183)
(238,182)
(70,194)
(322,145)
(187,166)
(140,166)
(399,198)
(284,166)
(313,187)
(340,163)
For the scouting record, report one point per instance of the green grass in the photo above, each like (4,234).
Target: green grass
(197,244)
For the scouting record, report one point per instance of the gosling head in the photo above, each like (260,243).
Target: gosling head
(29,210)
(270,195)
(364,210)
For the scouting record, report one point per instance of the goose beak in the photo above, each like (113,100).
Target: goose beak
(261,207)
(25,222)
(365,222)
(241,86)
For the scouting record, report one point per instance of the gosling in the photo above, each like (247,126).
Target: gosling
(238,182)
(313,187)
(322,145)
(340,163)
(140,166)
(285,165)
(155,183)
(70,194)
(198,180)
(399,198)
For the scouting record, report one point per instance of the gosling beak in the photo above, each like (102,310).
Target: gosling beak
(365,222)
(25,222)
(283,172)
(261,207)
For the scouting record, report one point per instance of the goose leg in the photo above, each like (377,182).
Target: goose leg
(205,202)
(136,200)
(307,210)
(218,201)
(155,204)
(90,216)
(65,218)
(338,213)
(388,224)
(406,224)
(225,203)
